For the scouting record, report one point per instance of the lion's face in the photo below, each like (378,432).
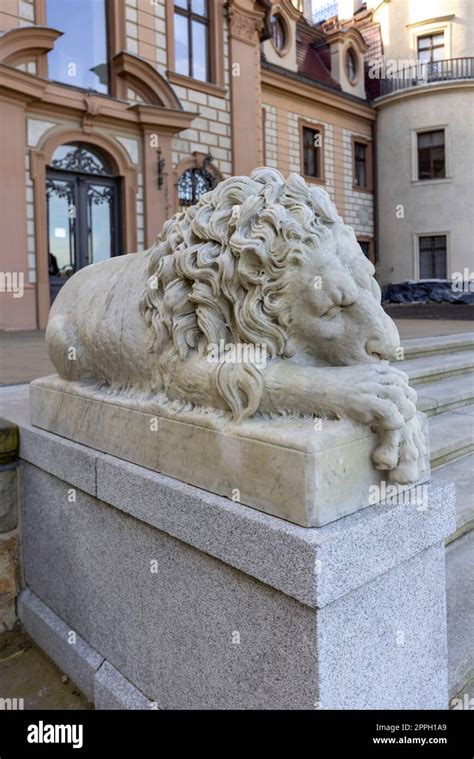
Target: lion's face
(337,316)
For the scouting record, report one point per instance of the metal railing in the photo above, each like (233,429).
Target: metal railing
(420,74)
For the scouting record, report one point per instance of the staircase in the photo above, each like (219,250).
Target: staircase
(442,371)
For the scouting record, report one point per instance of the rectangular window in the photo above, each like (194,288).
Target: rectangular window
(431,48)
(191,39)
(80,56)
(312,152)
(432,251)
(431,155)
(360,164)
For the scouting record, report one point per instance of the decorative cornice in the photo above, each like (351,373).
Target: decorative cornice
(145,79)
(310,90)
(435,20)
(18,85)
(288,9)
(154,117)
(94,109)
(245,24)
(346,35)
(26,42)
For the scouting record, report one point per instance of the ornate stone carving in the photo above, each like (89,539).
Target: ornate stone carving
(256,303)
(245,25)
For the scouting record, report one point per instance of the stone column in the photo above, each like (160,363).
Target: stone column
(245,23)
(9,536)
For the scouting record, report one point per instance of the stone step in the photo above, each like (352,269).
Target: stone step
(460,603)
(430,368)
(416,347)
(460,471)
(451,435)
(446,394)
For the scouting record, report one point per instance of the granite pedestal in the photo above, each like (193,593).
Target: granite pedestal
(177,598)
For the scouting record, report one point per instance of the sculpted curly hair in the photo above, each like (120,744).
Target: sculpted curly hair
(218,274)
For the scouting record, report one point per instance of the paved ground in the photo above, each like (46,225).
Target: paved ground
(27,673)
(23,355)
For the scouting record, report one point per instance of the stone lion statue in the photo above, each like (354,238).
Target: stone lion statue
(258,261)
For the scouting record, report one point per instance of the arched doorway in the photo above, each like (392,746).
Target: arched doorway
(83,208)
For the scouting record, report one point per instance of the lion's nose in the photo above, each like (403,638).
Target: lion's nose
(381,348)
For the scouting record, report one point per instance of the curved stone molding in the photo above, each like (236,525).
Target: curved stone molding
(27,43)
(144,79)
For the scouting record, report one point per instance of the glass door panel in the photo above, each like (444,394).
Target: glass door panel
(61,208)
(100,213)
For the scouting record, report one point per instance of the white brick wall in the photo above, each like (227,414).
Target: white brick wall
(131,26)
(359,206)
(140,214)
(271,137)
(30,222)
(210,131)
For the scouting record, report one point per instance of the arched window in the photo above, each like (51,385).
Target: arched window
(192,184)
(351,65)
(82,158)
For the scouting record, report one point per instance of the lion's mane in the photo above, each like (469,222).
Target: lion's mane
(219,270)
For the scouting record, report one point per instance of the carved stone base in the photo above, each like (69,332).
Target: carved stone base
(309,472)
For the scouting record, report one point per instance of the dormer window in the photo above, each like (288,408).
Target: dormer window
(279,35)
(351,65)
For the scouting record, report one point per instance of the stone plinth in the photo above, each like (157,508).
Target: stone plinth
(309,472)
(9,541)
(184,599)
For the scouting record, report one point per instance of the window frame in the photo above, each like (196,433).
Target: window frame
(315,127)
(350,51)
(282,52)
(362,140)
(414,155)
(215,84)
(190,16)
(417,256)
(420,132)
(416,250)
(431,34)
(114,42)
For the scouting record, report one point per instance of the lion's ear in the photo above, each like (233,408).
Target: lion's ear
(253,263)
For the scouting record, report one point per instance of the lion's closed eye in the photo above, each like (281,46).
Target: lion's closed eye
(332,312)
